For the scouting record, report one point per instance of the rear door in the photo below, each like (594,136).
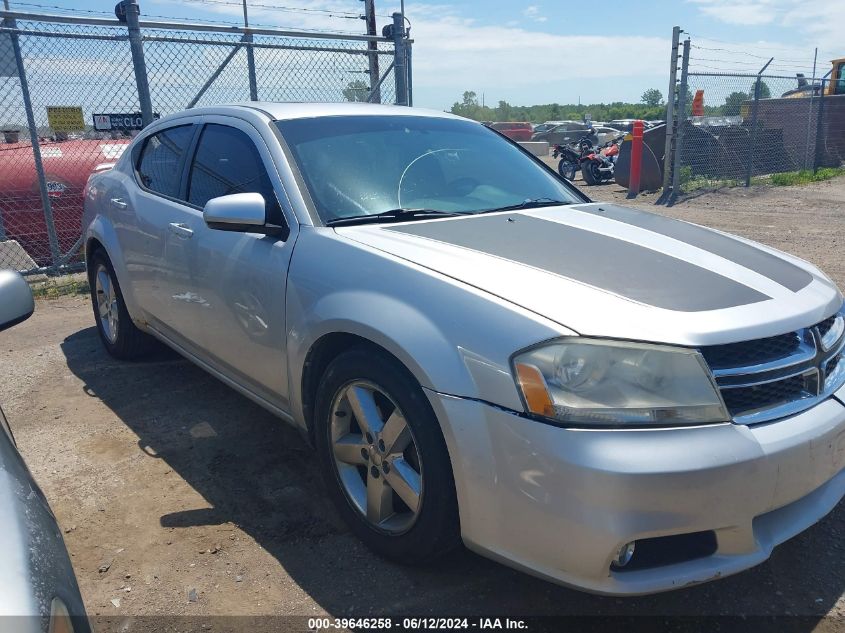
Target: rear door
(141,210)
(238,279)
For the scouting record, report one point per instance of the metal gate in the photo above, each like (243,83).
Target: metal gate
(75,89)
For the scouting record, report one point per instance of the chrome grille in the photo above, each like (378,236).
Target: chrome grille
(752,352)
(768,394)
(771,378)
(824,326)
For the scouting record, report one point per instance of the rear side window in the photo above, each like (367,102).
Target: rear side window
(228,162)
(161,156)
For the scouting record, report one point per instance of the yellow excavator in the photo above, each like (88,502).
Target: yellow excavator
(834,86)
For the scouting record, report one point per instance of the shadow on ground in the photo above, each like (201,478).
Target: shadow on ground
(259,474)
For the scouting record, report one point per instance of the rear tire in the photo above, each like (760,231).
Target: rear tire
(590,173)
(121,338)
(396,495)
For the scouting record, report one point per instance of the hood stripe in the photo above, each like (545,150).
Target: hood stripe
(629,270)
(775,268)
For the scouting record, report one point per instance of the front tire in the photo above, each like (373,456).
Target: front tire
(567,168)
(121,338)
(384,459)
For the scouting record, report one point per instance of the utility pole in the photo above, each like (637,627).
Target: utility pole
(250,58)
(372,48)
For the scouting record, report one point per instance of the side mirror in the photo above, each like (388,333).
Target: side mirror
(16,303)
(236,212)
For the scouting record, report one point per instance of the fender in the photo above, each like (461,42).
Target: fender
(453,338)
(101,229)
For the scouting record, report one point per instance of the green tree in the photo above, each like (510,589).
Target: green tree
(733,103)
(356,91)
(765,91)
(652,97)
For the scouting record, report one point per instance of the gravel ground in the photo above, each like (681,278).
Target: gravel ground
(178,496)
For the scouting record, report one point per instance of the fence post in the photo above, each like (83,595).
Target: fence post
(136,47)
(820,127)
(399,64)
(372,55)
(670,114)
(250,58)
(753,143)
(6,23)
(810,112)
(682,117)
(46,203)
(409,75)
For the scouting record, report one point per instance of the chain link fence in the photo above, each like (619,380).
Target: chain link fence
(70,102)
(739,128)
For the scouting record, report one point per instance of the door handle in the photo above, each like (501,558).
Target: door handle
(181,230)
(120,203)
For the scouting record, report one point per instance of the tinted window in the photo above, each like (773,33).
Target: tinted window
(227,162)
(356,165)
(158,165)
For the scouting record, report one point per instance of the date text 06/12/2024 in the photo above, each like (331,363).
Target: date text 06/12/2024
(410,624)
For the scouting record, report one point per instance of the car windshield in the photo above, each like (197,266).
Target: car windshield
(366,165)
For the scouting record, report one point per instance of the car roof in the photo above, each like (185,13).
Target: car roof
(286,111)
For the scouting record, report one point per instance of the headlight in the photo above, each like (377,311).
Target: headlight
(590,381)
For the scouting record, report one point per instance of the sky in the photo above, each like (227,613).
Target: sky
(546,51)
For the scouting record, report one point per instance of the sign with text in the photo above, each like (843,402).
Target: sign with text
(65,118)
(122,121)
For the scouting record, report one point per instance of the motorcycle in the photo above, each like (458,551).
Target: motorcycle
(571,156)
(598,166)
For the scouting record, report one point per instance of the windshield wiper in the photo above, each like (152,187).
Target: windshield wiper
(534,203)
(396,215)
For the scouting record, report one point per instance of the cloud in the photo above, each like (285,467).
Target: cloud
(532,12)
(818,22)
(731,12)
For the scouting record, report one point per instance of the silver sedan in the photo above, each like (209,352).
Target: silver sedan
(600,396)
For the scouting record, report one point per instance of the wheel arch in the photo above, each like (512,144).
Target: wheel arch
(100,235)
(323,351)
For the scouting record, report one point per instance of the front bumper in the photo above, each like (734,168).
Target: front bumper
(559,503)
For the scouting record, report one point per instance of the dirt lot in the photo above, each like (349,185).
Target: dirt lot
(179,496)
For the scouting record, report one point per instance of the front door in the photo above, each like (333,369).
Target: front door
(239,278)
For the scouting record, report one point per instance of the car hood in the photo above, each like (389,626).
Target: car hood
(608,270)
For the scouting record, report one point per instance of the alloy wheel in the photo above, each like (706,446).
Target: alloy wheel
(376,457)
(107,308)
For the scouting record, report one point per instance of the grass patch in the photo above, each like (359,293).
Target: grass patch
(63,286)
(806,176)
(690,183)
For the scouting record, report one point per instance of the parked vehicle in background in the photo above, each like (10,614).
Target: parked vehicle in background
(564,133)
(67,165)
(605,134)
(598,165)
(37,583)
(542,127)
(572,154)
(516,131)
(626,125)
(604,397)
(570,159)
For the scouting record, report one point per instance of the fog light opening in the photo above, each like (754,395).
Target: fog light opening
(625,554)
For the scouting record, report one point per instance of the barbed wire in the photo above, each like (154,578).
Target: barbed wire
(233,22)
(276,7)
